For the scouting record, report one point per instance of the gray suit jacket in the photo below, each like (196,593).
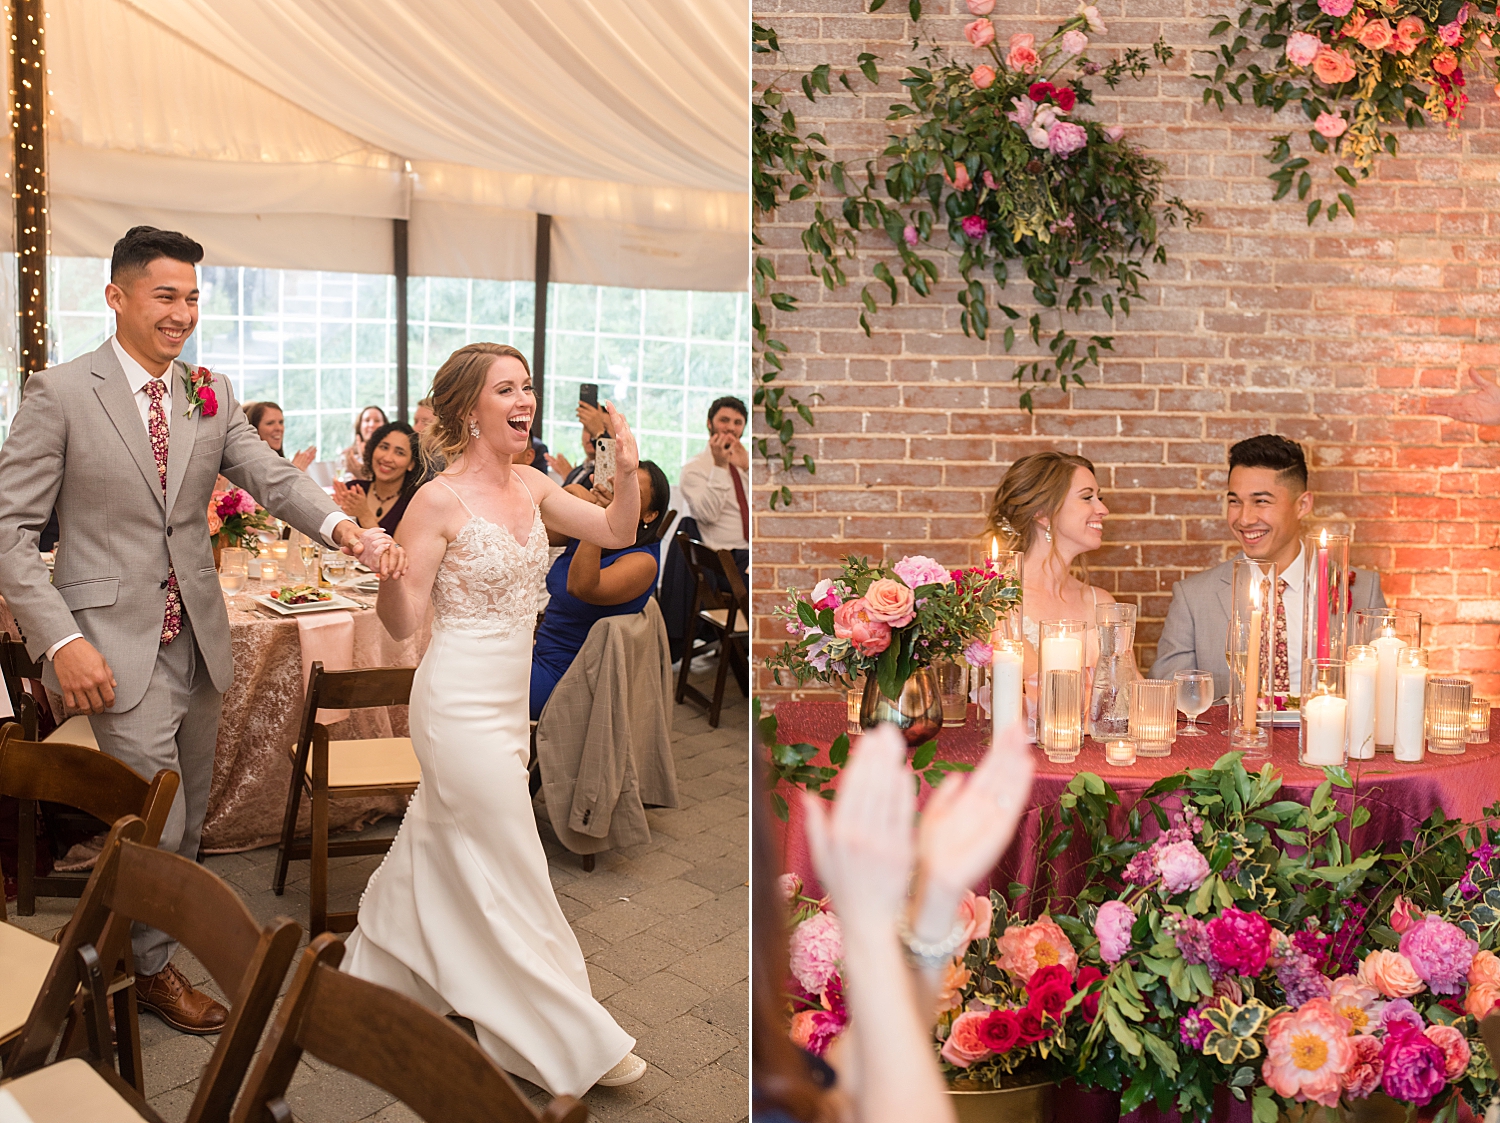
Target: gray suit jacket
(1197,623)
(78,444)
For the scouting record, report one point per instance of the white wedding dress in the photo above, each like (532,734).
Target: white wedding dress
(461,915)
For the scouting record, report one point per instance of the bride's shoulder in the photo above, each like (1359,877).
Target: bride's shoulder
(437,506)
(1101,596)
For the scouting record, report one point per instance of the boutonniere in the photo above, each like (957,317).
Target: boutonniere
(198,382)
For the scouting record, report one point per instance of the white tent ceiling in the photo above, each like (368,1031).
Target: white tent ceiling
(279,133)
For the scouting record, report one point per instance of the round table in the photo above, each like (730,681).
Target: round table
(1399,796)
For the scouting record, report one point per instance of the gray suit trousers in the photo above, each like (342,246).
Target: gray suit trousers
(174,726)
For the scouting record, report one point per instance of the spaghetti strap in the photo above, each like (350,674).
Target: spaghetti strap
(456,495)
(526,489)
(1095,590)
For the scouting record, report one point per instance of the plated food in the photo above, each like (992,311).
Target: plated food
(302,594)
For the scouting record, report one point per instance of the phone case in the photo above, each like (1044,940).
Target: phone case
(604,459)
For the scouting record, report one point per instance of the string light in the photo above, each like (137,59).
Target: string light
(28,99)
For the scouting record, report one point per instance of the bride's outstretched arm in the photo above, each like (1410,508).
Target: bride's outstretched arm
(432,520)
(612,527)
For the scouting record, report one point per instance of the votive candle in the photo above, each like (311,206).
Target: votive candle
(1359,686)
(1119,753)
(1479,721)
(1411,705)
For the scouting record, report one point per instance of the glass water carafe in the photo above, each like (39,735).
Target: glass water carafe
(1109,701)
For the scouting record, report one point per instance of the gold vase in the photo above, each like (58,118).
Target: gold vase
(917,711)
(1030,1103)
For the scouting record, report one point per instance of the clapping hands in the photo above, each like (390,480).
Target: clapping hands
(1479,406)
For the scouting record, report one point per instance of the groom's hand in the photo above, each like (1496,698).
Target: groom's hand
(350,538)
(88,685)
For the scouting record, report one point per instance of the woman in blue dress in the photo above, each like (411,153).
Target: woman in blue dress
(587,584)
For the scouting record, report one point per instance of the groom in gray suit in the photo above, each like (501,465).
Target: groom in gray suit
(1266,503)
(125,444)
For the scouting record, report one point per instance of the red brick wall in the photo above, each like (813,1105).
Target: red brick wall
(1330,335)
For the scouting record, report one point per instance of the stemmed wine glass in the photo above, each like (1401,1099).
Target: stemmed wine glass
(1195,693)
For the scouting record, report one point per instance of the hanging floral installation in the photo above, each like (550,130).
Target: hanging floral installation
(1356,69)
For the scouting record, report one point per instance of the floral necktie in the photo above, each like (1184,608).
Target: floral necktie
(171,625)
(1281,682)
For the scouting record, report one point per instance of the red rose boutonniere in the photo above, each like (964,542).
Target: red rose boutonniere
(198,382)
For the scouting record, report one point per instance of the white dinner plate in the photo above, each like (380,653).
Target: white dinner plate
(268,601)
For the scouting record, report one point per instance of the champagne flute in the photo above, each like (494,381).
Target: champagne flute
(309,552)
(1195,694)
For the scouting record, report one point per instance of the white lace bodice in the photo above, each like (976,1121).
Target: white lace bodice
(489,584)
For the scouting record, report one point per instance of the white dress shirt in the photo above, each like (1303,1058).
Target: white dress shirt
(710,492)
(1293,598)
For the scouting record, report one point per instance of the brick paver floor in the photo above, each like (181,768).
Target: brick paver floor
(664,927)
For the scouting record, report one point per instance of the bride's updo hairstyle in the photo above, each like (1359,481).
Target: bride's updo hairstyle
(1035,487)
(455,392)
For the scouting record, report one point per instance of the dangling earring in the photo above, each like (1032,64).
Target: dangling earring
(474,432)
(1047,530)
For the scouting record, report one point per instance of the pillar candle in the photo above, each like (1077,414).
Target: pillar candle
(1386,648)
(1006,677)
(1411,712)
(1359,684)
(1322,637)
(1252,675)
(1325,715)
(1061,653)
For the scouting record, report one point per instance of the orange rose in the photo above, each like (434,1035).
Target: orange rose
(890,602)
(1391,973)
(955,977)
(1481,1000)
(1485,969)
(1409,34)
(1377,35)
(1445,63)
(1333,67)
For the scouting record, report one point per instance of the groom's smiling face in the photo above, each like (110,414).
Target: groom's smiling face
(156,309)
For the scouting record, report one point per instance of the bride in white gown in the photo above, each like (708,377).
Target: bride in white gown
(461,916)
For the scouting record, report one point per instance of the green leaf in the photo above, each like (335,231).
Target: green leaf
(1347,201)
(1129,1040)
(1312,212)
(1263,1106)
(876,5)
(1162,1052)
(923,756)
(915,9)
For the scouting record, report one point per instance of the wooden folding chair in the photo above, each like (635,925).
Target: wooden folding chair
(100,786)
(719,601)
(16,667)
(387,1039)
(247,960)
(343,770)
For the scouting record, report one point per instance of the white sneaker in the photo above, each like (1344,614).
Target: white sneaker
(628,1071)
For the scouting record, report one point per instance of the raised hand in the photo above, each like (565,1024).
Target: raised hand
(304,458)
(1479,406)
(349,499)
(627,456)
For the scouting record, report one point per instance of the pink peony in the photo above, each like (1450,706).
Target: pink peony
(1338,9)
(1331,125)
(1440,954)
(1364,1074)
(1391,973)
(975,228)
(890,602)
(1240,941)
(825,594)
(909,236)
(853,621)
(1025,949)
(1113,133)
(1022,54)
(980,7)
(1401,915)
(1074,42)
(918,570)
(1181,866)
(983,76)
(977,915)
(1308,1053)
(1302,48)
(1333,67)
(1455,1048)
(965,1045)
(979,654)
(815,1030)
(1112,926)
(817,946)
(980,33)
(1066,138)
(1414,1065)
(1451,34)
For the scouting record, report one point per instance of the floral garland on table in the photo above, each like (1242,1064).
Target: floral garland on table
(234,517)
(1354,67)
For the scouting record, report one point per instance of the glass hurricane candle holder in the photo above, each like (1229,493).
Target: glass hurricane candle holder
(1248,647)
(1360,667)
(1153,716)
(1062,715)
(1325,596)
(1007,563)
(1409,739)
(953,688)
(1479,721)
(1448,714)
(1062,649)
(1323,714)
(1389,631)
(853,698)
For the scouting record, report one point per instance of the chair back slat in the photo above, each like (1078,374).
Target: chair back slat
(663,524)
(15,668)
(77,777)
(702,563)
(736,585)
(360,689)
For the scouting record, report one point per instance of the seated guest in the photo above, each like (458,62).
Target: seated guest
(1048,508)
(433,461)
(393,470)
(352,462)
(1266,503)
(587,584)
(267,419)
(424,416)
(715,483)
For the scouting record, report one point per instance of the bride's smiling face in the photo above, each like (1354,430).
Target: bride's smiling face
(505,408)
(1078,526)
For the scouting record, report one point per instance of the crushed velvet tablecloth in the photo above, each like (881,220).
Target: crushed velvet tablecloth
(1399,796)
(262,714)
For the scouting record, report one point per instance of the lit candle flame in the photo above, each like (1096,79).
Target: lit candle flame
(1323,538)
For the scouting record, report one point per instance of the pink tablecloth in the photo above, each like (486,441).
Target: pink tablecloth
(1399,796)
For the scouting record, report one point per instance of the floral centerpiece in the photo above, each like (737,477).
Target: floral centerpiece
(816,988)
(1354,67)
(233,519)
(888,621)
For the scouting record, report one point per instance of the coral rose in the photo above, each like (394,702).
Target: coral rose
(1364,1074)
(1308,1053)
(853,621)
(981,7)
(1331,125)
(1455,1048)
(980,33)
(1484,968)
(1391,973)
(960,180)
(955,977)
(1410,33)
(1377,35)
(1481,999)
(1446,62)
(1302,48)
(983,77)
(890,602)
(965,1045)
(977,914)
(1024,949)
(1021,54)
(1333,67)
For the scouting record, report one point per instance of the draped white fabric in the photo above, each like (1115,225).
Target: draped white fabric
(287,133)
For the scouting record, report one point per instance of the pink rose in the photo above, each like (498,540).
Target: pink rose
(975,228)
(980,7)
(1112,926)
(210,402)
(1331,125)
(1113,133)
(977,914)
(890,602)
(910,236)
(1333,67)
(1451,34)
(1022,54)
(1338,9)
(979,653)
(1074,42)
(1066,138)
(1302,48)
(1181,866)
(1409,34)
(990,181)
(1364,1073)
(1454,1046)
(983,76)
(1401,914)
(980,33)
(918,570)
(825,594)
(1391,973)
(965,1045)
(215,524)
(1377,35)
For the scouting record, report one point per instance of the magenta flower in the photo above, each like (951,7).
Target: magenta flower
(975,227)
(1414,1067)
(1440,954)
(1240,941)
(1182,867)
(909,235)
(1066,138)
(1400,1011)
(1112,926)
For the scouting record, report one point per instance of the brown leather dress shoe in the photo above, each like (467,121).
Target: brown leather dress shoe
(169,996)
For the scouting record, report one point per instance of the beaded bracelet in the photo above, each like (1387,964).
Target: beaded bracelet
(930,956)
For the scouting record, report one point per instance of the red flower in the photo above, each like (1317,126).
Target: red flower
(1049,998)
(1041,91)
(1065,98)
(210,402)
(1001,1031)
(1031,1025)
(1087,976)
(1047,976)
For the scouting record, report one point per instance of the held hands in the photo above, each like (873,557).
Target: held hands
(374,547)
(1480,406)
(88,685)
